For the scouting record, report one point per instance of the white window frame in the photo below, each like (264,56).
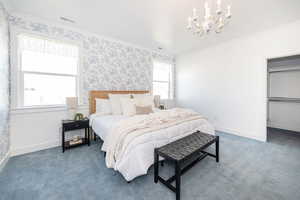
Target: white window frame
(170,81)
(17,75)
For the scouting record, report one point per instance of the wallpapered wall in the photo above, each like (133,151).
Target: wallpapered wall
(4,83)
(106,64)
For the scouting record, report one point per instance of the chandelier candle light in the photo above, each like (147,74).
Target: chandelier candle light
(212,22)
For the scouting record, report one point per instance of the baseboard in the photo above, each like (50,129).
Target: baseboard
(33,148)
(246,134)
(4,160)
(283,126)
(47,145)
(284,130)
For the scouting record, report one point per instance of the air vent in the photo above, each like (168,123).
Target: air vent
(67,20)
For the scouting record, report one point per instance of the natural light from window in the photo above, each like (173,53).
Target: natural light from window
(48,71)
(162,79)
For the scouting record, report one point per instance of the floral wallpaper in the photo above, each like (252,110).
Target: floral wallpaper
(4,83)
(105,64)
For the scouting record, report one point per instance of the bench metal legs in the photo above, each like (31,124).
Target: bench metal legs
(178,175)
(155,166)
(217,149)
(168,182)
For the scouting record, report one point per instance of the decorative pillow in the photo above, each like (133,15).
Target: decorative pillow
(103,106)
(140,95)
(115,102)
(128,106)
(143,110)
(146,100)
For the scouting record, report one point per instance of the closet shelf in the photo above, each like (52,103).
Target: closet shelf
(284,99)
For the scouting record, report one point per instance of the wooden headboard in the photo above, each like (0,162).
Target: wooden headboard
(103,94)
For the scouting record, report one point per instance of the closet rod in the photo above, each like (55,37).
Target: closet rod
(284,99)
(283,70)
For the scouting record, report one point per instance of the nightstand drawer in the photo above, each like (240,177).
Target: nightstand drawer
(76,125)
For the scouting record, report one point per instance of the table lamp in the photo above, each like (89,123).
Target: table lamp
(156,101)
(72,104)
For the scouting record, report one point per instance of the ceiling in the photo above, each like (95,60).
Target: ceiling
(158,23)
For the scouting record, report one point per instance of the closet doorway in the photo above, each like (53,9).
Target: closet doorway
(283,112)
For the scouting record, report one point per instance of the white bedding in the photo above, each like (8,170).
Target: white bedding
(138,156)
(102,124)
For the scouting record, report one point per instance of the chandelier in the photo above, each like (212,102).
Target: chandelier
(211,21)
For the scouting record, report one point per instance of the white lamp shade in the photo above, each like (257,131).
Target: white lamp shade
(71,102)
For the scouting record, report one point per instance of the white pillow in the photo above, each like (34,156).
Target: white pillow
(128,106)
(140,95)
(103,106)
(115,102)
(145,100)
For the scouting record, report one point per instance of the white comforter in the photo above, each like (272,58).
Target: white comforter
(130,144)
(102,124)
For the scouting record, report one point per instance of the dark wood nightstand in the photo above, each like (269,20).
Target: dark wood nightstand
(162,107)
(71,125)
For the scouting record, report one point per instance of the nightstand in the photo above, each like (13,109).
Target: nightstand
(71,125)
(162,107)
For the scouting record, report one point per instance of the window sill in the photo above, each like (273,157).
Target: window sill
(43,109)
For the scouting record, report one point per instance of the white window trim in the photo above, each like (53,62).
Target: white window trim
(171,79)
(16,74)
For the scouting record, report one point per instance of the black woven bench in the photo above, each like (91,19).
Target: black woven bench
(185,153)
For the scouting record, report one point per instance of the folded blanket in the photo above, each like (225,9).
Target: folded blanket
(136,126)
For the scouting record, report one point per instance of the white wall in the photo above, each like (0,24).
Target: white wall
(37,129)
(227,83)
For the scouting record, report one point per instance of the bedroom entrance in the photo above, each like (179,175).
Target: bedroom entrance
(283,106)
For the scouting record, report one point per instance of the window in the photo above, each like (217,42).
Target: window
(47,71)
(162,79)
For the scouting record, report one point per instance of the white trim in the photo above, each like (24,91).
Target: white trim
(296,53)
(246,134)
(171,82)
(49,73)
(4,160)
(43,109)
(273,124)
(34,148)
(161,81)
(16,74)
(52,144)
(13,68)
(15,31)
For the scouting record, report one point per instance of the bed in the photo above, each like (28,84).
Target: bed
(135,155)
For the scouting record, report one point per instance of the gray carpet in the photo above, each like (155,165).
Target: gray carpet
(247,170)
